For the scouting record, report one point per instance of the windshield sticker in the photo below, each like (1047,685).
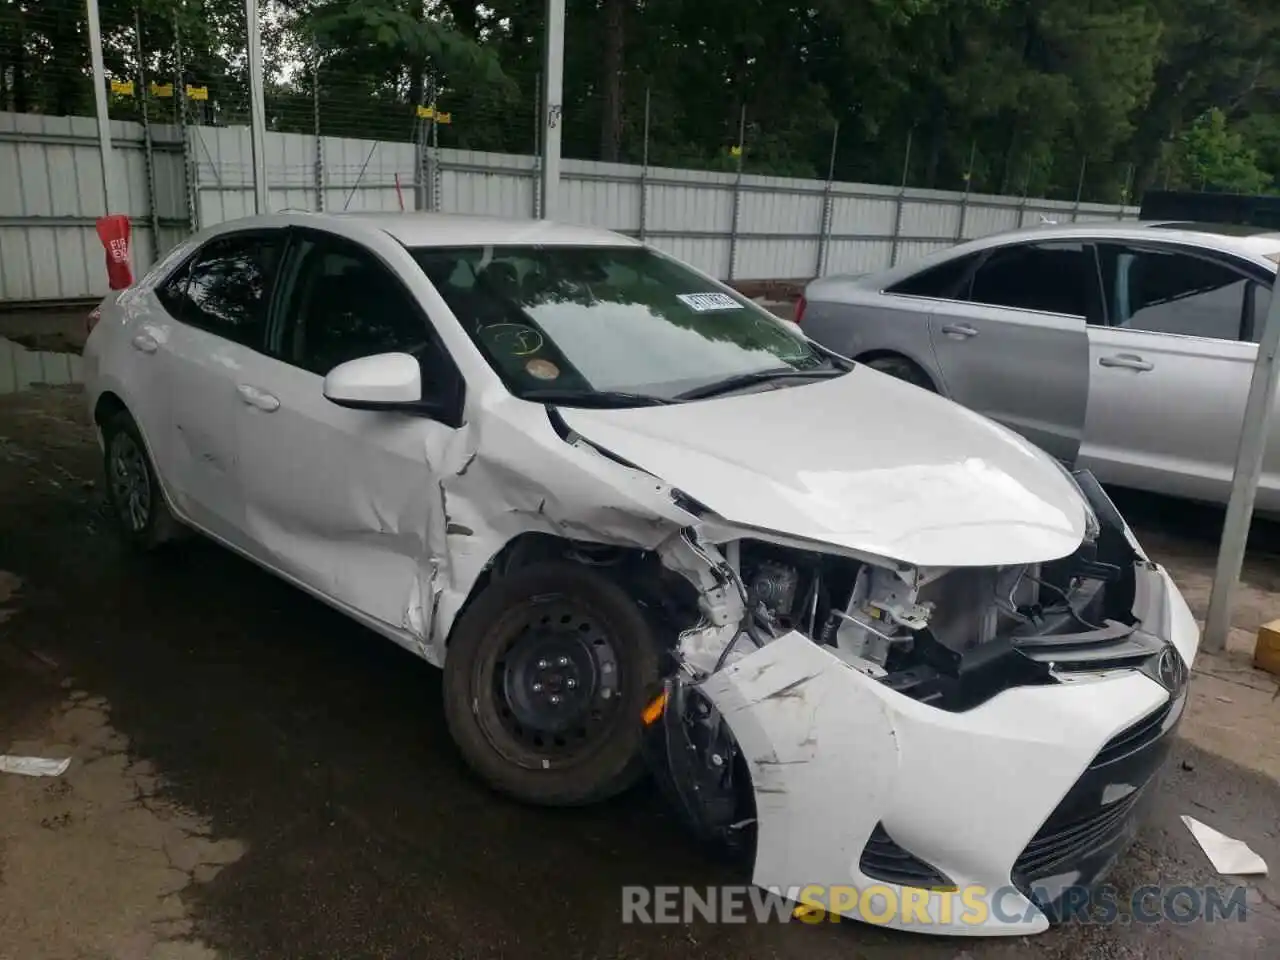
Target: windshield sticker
(706,302)
(542,369)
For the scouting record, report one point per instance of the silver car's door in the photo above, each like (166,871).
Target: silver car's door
(1012,345)
(1170,371)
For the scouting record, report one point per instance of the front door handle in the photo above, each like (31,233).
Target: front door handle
(145,343)
(961,330)
(1129,361)
(258,398)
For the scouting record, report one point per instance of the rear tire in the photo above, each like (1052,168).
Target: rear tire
(136,499)
(545,679)
(903,369)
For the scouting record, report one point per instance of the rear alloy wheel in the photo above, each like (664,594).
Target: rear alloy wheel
(545,680)
(903,369)
(136,499)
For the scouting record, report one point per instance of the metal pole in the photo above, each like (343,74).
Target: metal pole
(315,109)
(148,151)
(257,109)
(824,229)
(553,66)
(737,195)
(1254,432)
(902,199)
(190,162)
(110,183)
(968,187)
(644,171)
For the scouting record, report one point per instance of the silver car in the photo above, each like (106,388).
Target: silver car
(1126,348)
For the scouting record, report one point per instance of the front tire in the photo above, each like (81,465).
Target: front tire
(137,501)
(544,682)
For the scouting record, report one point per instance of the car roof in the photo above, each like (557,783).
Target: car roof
(1259,245)
(415,229)
(1250,241)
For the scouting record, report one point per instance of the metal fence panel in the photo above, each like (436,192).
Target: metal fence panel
(734,226)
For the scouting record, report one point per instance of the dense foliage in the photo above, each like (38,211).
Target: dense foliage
(1045,96)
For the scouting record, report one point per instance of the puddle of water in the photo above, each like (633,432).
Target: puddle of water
(21,369)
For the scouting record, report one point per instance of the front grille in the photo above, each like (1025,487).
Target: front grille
(1133,738)
(1057,844)
(883,859)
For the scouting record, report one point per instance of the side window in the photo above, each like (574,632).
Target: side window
(1049,277)
(946,281)
(1168,292)
(226,288)
(345,304)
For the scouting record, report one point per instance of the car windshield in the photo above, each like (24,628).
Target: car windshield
(619,324)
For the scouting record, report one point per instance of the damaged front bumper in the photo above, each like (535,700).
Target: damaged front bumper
(988,817)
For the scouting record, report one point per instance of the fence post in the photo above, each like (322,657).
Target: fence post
(148,153)
(902,199)
(824,228)
(968,186)
(315,109)
(644,172)
(1022,203)
(537,148)
(190,162)
(434,185)
(737,196)
(1124,194)
(1084,165)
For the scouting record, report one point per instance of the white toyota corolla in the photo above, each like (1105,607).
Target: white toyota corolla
(866,635)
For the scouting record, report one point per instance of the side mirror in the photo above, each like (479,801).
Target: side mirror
(383,382)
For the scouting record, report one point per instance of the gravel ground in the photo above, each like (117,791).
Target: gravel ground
(253,776)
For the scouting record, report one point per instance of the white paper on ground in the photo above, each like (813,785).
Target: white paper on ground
(34,766)
(1230,857)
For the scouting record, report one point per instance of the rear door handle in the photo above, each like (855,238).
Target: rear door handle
(258,398)
(145,343)
(1129,361)
(962,330)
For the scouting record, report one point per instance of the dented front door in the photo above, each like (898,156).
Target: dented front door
(344,500)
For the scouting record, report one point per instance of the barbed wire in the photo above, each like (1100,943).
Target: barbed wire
(157,73)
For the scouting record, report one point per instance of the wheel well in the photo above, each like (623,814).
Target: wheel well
(872,355)
(639,571)
(108,406)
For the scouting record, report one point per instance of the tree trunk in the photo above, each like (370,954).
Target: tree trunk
(611,112)
(21,91)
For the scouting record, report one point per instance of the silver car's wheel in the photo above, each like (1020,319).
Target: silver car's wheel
(134,494)
(903,369)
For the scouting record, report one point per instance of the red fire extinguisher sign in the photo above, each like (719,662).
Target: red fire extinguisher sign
(113,231)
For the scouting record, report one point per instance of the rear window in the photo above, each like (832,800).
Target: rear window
(602,318)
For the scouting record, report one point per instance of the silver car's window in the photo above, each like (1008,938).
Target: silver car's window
(1167,292)
(1047,277)
(616,319)
(946,281)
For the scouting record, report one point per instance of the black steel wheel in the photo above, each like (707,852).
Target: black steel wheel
(545,679)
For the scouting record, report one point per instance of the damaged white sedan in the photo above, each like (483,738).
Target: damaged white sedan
(861,633)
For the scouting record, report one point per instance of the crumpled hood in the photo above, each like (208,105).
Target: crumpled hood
(862,461)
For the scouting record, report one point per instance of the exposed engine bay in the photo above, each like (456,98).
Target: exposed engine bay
(949,638)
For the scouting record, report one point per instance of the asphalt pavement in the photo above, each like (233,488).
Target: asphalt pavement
(290,776)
